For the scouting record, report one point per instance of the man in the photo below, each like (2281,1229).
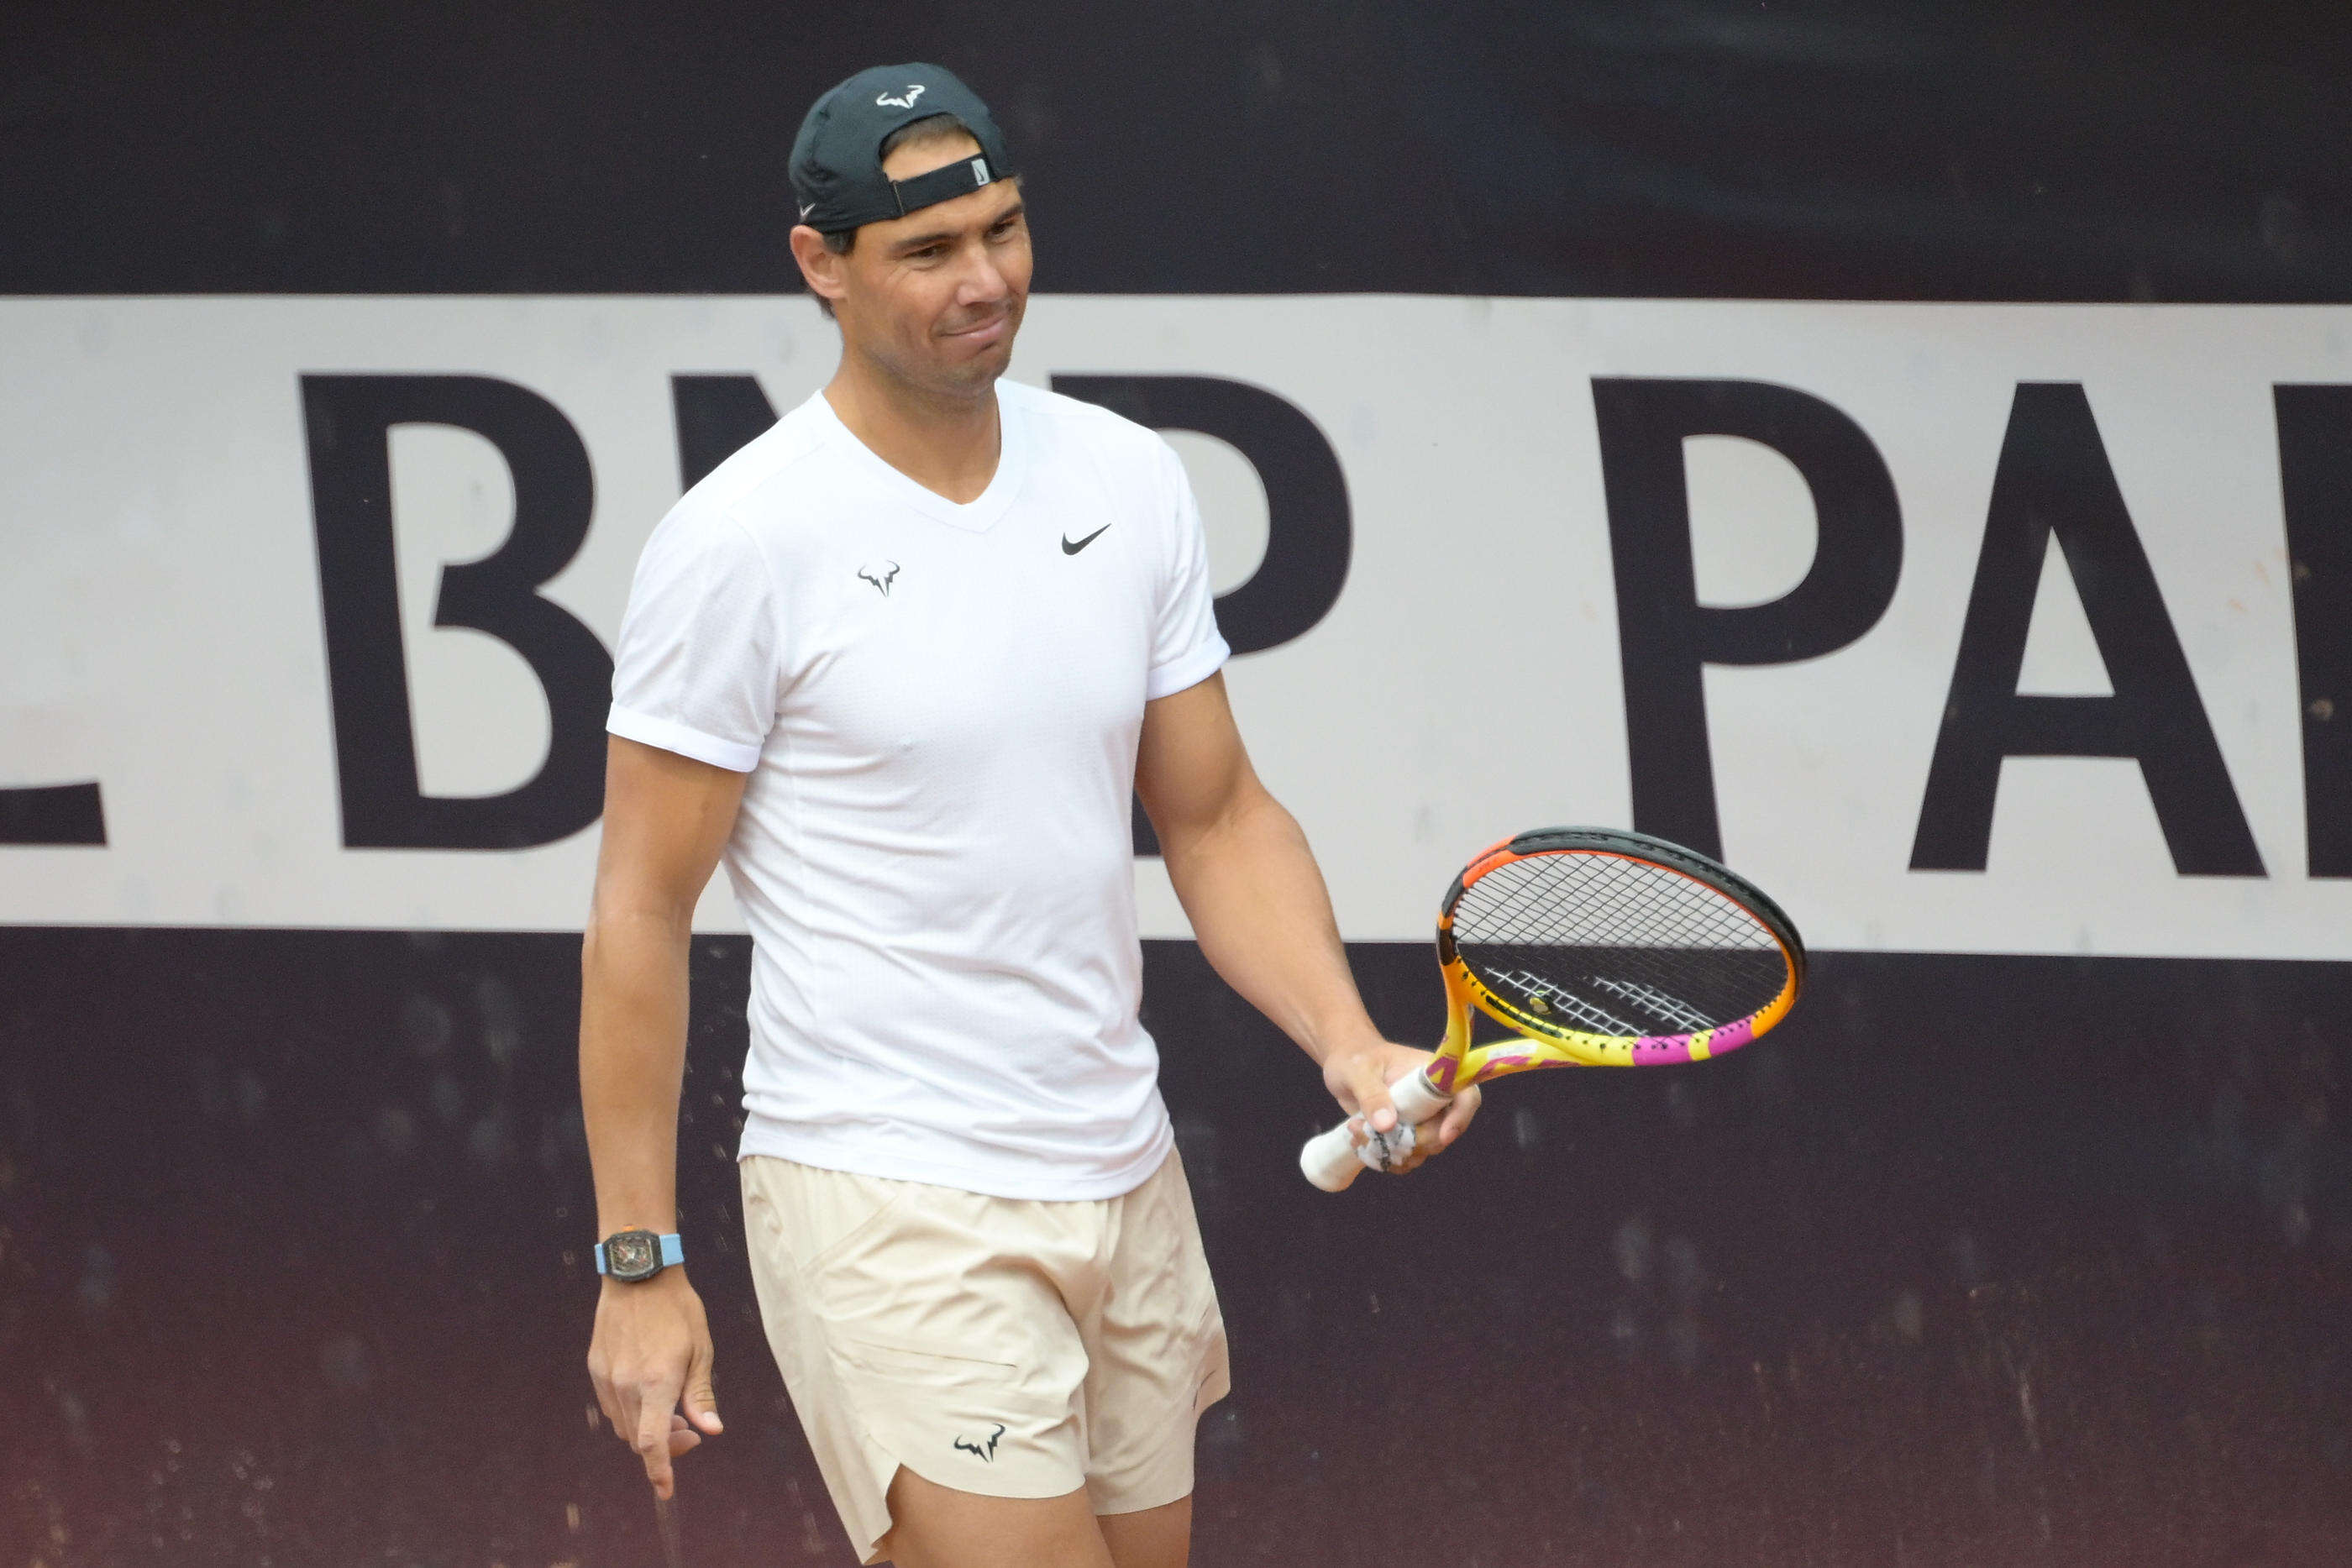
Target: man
(900,661)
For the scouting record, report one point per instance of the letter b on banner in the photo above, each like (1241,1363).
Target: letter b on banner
(1665,636)
(349,421)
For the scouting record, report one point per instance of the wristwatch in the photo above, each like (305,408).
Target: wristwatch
(630,1256)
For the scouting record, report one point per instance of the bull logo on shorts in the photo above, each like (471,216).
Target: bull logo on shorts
(988,1454)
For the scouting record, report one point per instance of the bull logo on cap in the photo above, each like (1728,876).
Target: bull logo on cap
(914,92)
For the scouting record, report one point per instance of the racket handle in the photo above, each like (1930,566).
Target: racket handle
(1331,1161)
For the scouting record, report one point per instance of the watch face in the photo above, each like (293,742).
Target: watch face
(633,1255)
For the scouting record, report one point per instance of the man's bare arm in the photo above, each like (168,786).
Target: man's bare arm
(666,819)
(1258,905)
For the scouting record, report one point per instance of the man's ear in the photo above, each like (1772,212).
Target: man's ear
(821,269)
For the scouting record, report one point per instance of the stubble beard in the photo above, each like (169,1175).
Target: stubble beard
(963,380)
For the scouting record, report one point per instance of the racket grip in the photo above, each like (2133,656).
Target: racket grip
(1330,1160)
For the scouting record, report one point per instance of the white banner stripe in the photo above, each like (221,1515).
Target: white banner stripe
(162,631)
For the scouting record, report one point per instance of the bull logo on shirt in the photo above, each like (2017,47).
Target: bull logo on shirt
(987,1453)
(881,574)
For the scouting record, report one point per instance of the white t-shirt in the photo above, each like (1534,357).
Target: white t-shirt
(938,705)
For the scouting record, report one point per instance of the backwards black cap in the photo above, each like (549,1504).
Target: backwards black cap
(836,170)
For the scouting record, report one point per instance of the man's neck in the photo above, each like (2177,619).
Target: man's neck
(949,445)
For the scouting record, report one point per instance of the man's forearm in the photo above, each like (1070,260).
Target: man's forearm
(1263,916)
(633,997)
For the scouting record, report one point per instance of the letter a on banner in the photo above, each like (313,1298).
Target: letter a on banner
(349,421)
(2055,477)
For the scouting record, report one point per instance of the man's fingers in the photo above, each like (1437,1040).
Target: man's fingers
(683,1438)
(1435,1137)
(700,1402)
(620,1408)
(1371,1090)
(605,1400)
(1457,1120)
(1392,1145)
(655,1411)
(1424,1143)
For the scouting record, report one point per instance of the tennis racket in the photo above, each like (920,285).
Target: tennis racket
(1596,948)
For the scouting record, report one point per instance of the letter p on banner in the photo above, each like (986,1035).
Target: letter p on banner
(1665,636)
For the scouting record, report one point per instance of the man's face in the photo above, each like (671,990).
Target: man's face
(936,296)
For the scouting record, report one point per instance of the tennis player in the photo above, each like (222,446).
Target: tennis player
(898,662)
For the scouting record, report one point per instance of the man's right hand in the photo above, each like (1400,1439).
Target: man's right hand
(650,1358)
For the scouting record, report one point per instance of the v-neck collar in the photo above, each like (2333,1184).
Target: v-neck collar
(975,516)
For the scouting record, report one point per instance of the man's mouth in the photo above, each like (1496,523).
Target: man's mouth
(983,331)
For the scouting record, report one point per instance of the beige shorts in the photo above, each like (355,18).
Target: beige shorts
(1006,1347)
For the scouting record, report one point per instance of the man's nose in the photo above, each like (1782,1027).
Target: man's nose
(982,282)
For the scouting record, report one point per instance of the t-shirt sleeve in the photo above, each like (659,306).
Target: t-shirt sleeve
(1186,648)
(696,669)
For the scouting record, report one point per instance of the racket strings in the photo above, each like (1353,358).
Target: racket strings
(1614,945)
(1602,900)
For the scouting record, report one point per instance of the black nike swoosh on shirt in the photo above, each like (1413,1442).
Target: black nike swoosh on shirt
(1070,546)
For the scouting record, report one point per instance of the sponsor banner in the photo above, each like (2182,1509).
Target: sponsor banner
(1961,628)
